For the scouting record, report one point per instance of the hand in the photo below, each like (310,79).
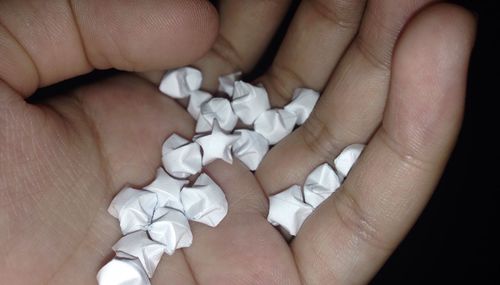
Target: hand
(64,159)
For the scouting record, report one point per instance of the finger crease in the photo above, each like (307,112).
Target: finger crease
(319,139)
(333,16)
(226,51)
(370,56)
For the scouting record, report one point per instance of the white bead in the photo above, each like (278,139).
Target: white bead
(178,83)
(320,184)
(288,210)
(181,158)
(346,159)
(303,103)
(250,148)
(275,124)
(216,109)
(204,202)
(249,101)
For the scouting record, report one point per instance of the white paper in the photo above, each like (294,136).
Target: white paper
(178,83)
(288,210)
(168,190)
(138,245)
(181,158)
(346,159)
(216,109)
(171,228)
(121,271)
(226,83)
(196,99)
(217,145)
(204,202)
(320,184)
(134,208)
(250,148)
(249,101)
(303,103)
(275,124)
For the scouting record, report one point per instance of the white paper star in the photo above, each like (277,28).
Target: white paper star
(303,103)
(275,124)
(216,109)
(249,101)
(178,83)
(170,228)
(122,271)
(320,184)
(226,83)
(346,159)
(168,190)
(197,99)
(250,148)
(217,145)
(181,158)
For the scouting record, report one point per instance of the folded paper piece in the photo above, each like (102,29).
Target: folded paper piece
(168,190)
(204,202)
(249,101)
(346,159)
(275,124)
(181,158)
(226,83)
(138,245)
(134,208)
(122,271)
(171,229)
(320,184)
(250,148)
(217,145)
(287,209)
(303,103)
(178,83)
(216,109)
(197,99)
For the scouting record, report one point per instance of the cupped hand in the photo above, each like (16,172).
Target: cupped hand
(392,75)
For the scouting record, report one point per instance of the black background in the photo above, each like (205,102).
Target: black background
(453,241)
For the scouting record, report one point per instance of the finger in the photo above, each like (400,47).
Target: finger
(246,28)
(351,106)
(317,37)
(354,232)
(67,38)
(244,248)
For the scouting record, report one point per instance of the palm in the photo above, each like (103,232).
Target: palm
(64,160)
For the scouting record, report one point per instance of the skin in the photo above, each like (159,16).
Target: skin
(392,75)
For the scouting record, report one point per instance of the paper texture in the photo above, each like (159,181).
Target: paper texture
(303,103)
(196,99)
(320,184)
(250,148)
(181,158)
(204,202)
(288,209)
(226,83)
(217,145)
(346,159)
(249,101)
(138,245)
(178,83)
(121,271)
(168,190)
(275,124)
(216,109)
(170,228)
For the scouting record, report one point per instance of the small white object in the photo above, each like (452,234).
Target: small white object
(275,124)
(217,145)
(320,184)
(196,99)
(134,208)
(204,202)
(288,210)
(250,148)
(171,229)
(216,109)
(168,190)
(346,159)
(303,103)
(249,101)
(122,271)
(226,82)
(178,83)
(138,245)
(181,158)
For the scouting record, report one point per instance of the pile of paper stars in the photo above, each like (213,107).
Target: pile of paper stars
(155,219)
